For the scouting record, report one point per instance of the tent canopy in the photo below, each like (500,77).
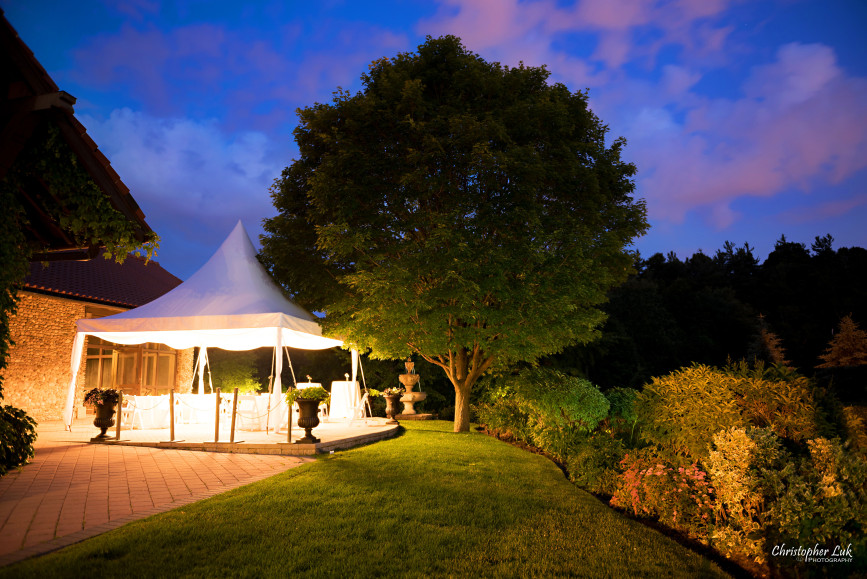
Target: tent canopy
(230,303)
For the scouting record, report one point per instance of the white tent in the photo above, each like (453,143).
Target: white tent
(230,303)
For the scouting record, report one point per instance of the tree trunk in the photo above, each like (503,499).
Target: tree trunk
(462,408)
(463,367)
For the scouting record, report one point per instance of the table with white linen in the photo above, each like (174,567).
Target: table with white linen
(345,396)
(195,408)
(149,411)
(303,385)
(252,413)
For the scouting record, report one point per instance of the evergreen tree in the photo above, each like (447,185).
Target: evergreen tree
(767,346)
(848,347)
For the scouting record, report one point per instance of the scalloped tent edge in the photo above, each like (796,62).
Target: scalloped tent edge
(231,303)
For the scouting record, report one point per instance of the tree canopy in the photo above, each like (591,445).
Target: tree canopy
(464,211)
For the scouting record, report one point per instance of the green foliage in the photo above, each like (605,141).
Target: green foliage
(682,411)
(557,400)
(312,393)
(594,463)
(232,370)
(466,211)
(826,502)
(545,408)
(13,271)
(78,206)
(505,416)
(768,496)
(17,435)
(746,466)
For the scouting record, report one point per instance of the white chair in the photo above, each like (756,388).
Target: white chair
(247,416)
(129,414)
(358,411)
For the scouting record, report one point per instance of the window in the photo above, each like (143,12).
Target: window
(99,364)
(159,367)
(147,369)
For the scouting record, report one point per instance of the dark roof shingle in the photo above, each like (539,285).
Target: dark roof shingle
(103,281)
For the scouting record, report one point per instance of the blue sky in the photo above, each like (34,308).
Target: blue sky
(747,120)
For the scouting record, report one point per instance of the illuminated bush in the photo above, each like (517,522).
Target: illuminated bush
(594,464)
(546,408)
(17,435)
(678,495)
(681,412)
(768,496)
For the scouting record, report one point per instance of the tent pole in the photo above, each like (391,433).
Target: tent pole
(217,419)
(291,369)
(75,365)
(364,383)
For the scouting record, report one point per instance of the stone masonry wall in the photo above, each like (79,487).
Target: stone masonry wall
(185,370)
(37,375)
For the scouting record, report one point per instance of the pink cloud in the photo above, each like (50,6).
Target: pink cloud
(827,210)
(796,127)
(207,63)
(510,31)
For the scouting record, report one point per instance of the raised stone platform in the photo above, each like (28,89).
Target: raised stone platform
(334,436)
(415,417)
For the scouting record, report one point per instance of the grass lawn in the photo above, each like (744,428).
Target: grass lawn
(428,503)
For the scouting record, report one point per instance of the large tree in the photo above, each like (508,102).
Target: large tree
(466,212)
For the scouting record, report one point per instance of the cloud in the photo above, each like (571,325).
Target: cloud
(825,210)
(801,123)
(622,31)
(201,70)
(189,175)
(794,122)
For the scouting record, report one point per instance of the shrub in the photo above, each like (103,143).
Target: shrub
(825,503)
(594,464)
(622,410)
(681,411)
(742,465)
(544,407)
(768,496)
(779,398)
(230,370)
(17,435)
(678,495)
(504,416)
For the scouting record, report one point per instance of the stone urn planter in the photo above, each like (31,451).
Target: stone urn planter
(391,407)
(104,420)
(308,419)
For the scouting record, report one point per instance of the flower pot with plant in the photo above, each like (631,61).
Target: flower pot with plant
(103,401)
(308,401)
(391,396)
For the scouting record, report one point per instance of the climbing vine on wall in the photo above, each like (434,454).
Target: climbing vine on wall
(74,201)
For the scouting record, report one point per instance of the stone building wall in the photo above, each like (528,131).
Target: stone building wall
(37,375)
(185,370)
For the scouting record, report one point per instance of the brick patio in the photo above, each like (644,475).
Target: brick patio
(73,490)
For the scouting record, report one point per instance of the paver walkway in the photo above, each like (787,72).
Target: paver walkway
(73,490)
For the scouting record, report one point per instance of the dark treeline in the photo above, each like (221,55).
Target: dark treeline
(709,309)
